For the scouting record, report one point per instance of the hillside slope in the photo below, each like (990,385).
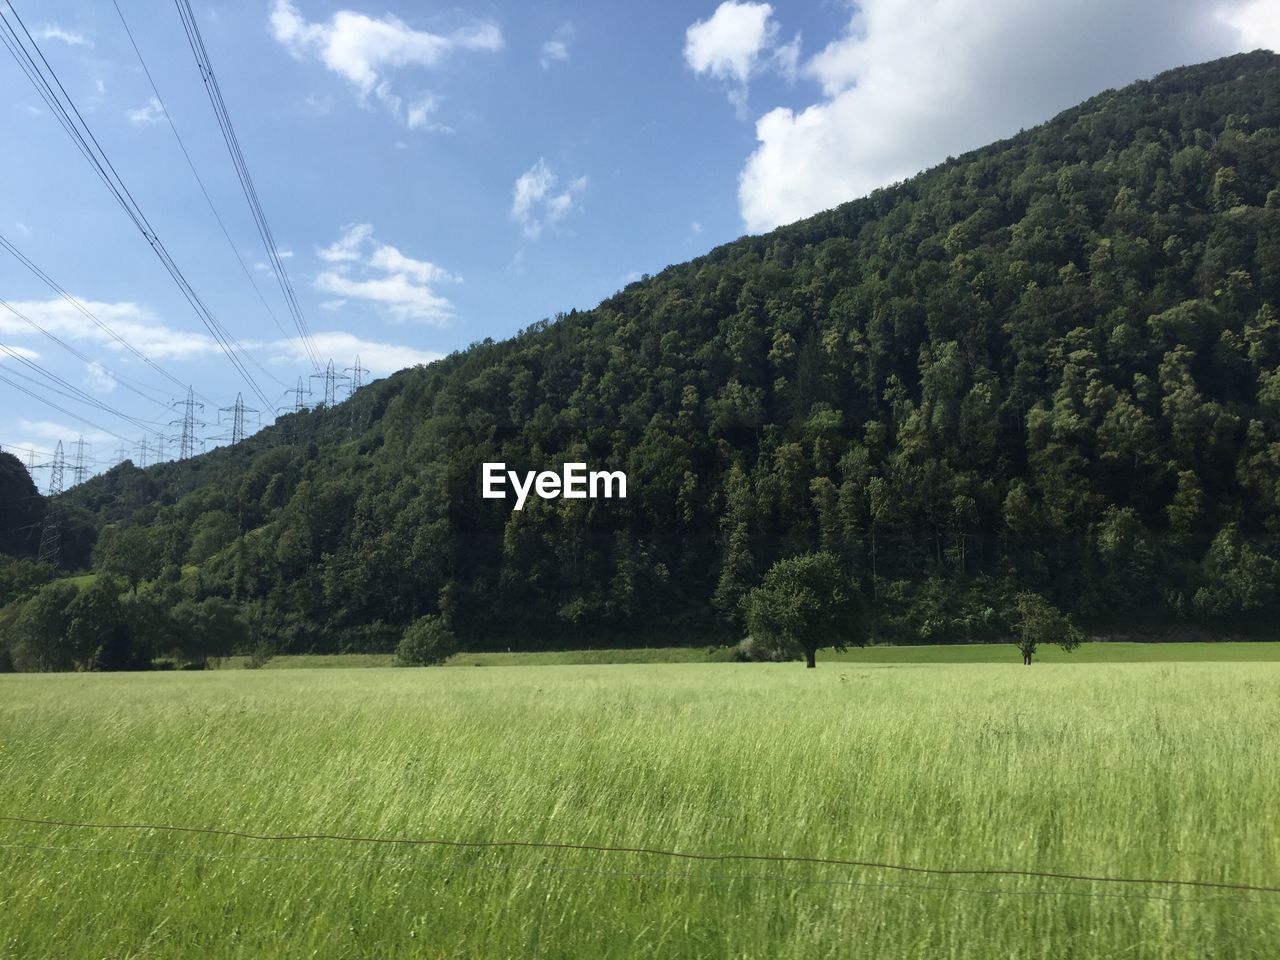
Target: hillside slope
(1050,363)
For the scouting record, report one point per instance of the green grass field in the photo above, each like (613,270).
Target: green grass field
(1140,770)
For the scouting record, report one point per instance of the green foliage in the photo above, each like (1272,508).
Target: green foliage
(40,633)
(1036,622)
(426,642)
(805,603)
(208,630)
(21,509)
(20,578)
(1048,365)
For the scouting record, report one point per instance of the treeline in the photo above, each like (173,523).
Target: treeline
(1049,365)
(59,625)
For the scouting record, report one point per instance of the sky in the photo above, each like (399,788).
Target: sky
(435,174)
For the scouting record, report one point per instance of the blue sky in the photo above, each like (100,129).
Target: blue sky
(435,174)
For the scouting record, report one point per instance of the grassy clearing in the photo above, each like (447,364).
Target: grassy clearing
(949,653)
(1131,770)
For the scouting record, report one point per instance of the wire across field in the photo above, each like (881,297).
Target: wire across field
(700,810)
(648,851)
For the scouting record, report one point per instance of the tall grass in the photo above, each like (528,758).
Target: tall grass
(1137,770)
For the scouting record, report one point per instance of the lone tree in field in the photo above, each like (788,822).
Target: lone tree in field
(1035,621)
(426,642)
(805,603)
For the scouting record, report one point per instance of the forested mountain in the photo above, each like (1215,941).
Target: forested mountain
(1049,364)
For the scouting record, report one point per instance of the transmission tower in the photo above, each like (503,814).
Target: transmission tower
(143,448)
(330,379)
(122,454)
(299,392)
(357,376)
(237,411)
(51,532)
(188,423)
(80,472)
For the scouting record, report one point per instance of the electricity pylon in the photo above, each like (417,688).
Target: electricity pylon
(80,472)
(330,379)
(188,423)
(51,531)
(237,411)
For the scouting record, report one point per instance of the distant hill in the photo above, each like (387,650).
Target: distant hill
(1050,364)
(21,509)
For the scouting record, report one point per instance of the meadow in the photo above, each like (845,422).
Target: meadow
(1123,770)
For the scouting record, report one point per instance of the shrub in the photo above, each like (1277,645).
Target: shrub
(426,642)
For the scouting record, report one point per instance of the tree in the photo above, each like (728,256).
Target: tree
(41,643)
(805,603)
(1036,621)
(211,629)
(99,630)
(426,642)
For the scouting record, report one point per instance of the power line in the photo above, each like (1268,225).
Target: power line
(87,314)
(49,403)
(124,381)
(214,91)
(65,110)
(654,852)
(195,173)
(64,388)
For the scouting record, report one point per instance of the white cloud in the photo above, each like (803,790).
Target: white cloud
(44,435)
(535,202)
(347,247)
(377,358)
(914,81)
(148,115)
(420,115)
(735,43)
(51,31)
(132,322)
(363,269)
(1258,23)
(557,48)
(367,51)
(98,378)
(7,354)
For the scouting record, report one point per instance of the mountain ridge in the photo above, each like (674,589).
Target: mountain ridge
(1047,363)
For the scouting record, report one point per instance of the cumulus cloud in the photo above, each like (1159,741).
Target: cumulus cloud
(367,51)
(557,48)
(536,203)
(363,269)
(132,322)
(1258,23)
(377,358)
(914,81)
(737,42)
(52,31)
(147,115)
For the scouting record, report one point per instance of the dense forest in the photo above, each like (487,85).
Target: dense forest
(1049,365)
